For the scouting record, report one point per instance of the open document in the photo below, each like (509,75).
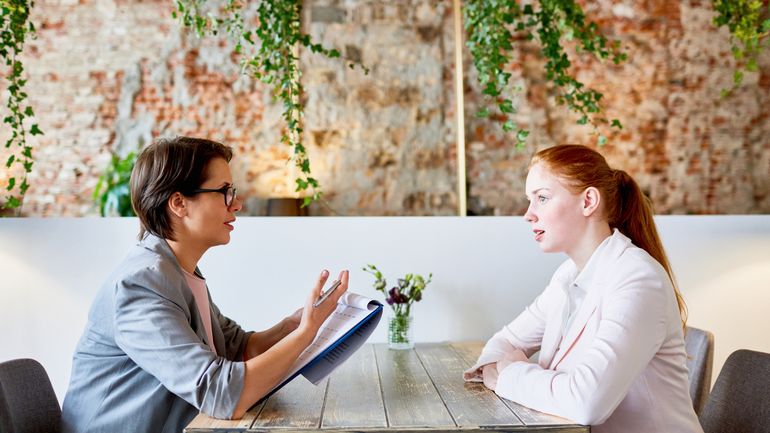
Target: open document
(344,332)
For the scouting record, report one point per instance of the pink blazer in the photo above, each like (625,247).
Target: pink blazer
(620,366)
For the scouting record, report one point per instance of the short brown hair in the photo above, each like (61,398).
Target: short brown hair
(166,166)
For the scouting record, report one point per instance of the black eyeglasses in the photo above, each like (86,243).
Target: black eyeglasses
(227,191)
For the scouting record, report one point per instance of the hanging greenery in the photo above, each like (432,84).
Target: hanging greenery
(491,27)
(749,24)
(15,28)
(269,52)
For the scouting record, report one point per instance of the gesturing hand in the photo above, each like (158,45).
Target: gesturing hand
(313,317)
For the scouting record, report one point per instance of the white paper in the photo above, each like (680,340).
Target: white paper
(351,310)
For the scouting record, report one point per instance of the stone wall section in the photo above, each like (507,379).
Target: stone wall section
(111,75)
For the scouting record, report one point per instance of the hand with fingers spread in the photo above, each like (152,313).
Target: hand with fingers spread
(312,316)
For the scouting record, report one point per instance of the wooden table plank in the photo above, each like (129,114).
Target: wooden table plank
(298,405)
(530,417)
(203,423)
(470,404)
(379,390)
(354,397)
(410,398)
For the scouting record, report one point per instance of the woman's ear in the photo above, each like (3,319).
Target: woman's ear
(591,200)
(177,204)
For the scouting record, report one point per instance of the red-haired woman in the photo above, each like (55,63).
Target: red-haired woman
(609,325)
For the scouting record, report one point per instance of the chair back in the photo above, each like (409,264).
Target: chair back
(28,403)
(700,361)
(739,402)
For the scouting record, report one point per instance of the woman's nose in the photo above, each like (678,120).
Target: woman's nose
(529,216)
(236,205)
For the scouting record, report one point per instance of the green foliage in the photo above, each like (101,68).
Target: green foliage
(15,28)
(748,26)
(268,53)
(112,193)
(492,25)
(401,296)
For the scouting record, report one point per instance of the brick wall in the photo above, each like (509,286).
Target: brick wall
(107,76)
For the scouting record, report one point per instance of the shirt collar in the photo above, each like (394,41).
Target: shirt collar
(601,259)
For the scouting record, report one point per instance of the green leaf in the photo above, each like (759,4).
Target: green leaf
(509,126)
(12,202)
(506,106)
(751,65)
(483,112)
(35,130)
(602,140)
(737,78)
(11,183)
(10,160)
(522,135)
(616,124)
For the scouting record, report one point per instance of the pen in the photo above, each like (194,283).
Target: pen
(326,294)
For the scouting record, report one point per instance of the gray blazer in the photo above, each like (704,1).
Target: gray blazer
(143,364)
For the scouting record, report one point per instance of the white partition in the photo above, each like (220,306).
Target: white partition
(485,270)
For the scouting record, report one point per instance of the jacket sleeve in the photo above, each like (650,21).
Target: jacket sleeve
(152,327)
(630,331)
(236,338)
(524,333)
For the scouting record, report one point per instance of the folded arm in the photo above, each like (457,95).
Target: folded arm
(631,330)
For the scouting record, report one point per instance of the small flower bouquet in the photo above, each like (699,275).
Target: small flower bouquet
(400,298)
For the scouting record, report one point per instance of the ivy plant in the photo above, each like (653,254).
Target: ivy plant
(491,26)
(268,52)
(749,24)
(113,190)
(15,28)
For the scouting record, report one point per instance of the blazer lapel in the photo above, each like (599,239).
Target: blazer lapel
(552,335)
(575,331)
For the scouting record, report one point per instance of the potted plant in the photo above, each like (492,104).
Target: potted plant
(400,298)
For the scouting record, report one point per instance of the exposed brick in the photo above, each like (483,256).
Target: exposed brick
(104,77)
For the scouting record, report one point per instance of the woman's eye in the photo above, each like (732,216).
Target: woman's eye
(542,199)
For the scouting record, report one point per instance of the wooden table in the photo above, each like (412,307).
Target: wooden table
(381,390)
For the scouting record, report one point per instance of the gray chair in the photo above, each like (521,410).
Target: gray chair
(27,401)
(739,401)
(700,361)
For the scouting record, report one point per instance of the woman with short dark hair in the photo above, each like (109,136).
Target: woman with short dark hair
(156,350)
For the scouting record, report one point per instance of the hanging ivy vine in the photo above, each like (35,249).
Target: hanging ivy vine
(749,25)
(15,28)
(492,25)
(269,53)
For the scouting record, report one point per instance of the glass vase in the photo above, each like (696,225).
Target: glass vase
(400,332)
